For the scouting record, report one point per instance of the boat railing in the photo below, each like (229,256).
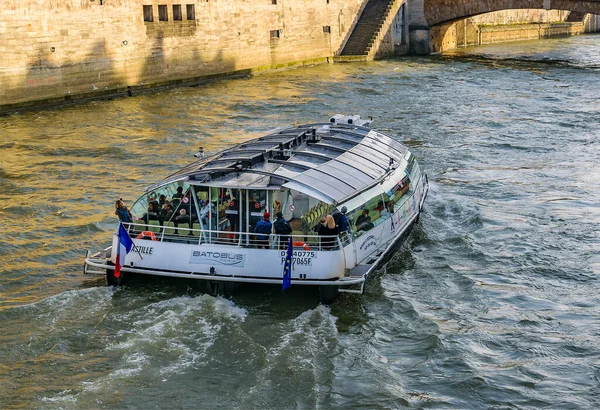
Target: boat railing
(188,235)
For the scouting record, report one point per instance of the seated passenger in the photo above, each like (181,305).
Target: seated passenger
(166,211)
(363,223)
(182,219)
(150,215)
(154,203)
(379,207)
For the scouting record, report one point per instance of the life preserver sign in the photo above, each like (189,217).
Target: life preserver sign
(185,200)
(292,207)
(257,205)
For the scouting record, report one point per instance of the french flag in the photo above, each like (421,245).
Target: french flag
(125,245)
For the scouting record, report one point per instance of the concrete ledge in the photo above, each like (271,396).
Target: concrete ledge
(71,99)
(351,59)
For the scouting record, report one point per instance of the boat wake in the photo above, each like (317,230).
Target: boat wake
(138,342)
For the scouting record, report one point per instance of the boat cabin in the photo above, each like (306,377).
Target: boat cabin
(304,172)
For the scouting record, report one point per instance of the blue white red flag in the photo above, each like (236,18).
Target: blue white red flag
(287,268)
(124,246)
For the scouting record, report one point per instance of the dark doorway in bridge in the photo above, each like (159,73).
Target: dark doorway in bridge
(399,36)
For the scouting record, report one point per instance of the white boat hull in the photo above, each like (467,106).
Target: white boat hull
(238,264)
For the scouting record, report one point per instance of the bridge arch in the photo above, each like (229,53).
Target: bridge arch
(443,11)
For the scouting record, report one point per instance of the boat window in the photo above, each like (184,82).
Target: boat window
(257,206)
(231,210)
(404,186)
(281,201)
(207,208)
(371,214)
(184,211)
(226,220)
(162,200)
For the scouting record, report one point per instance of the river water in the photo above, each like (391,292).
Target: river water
(492,302)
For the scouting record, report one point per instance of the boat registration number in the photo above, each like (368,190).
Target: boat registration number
(301,258)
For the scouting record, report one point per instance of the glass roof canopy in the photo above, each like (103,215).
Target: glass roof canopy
(331,162)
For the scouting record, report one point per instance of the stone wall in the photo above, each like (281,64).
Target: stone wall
(504,26)
(61,50)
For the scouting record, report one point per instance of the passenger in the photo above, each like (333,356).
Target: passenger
(206,214)
(263,227)
(182,219)
(166,211)
(329,231)
(161,200)
(191,210)
(177,197)
(179,193)
(379,207)
(154,203)
(340,219)
(282,228)
(150,214)
(363,223)
(122,212)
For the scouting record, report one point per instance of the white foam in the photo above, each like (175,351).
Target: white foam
(178,331)
(305,345)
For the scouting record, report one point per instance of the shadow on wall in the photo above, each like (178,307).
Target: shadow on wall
(160,68)
(52,78)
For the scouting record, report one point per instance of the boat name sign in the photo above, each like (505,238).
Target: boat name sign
(369,242)
(222,258)
(145,250)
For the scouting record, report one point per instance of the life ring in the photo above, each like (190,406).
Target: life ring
(147,235)
(301,245)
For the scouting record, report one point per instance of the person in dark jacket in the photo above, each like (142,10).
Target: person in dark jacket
(283,229)
(182,219)
(151,214)
(176,199)
(340,219)
(264,228)
(363,223)
(329,231)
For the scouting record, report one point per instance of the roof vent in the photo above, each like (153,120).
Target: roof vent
(344,119)
(349,119)
(313,137)
(282,154)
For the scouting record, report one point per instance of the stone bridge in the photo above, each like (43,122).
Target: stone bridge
(424,14)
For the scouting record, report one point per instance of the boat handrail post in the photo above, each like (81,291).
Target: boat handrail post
(339,242)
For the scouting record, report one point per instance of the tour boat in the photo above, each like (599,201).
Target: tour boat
(199,223)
